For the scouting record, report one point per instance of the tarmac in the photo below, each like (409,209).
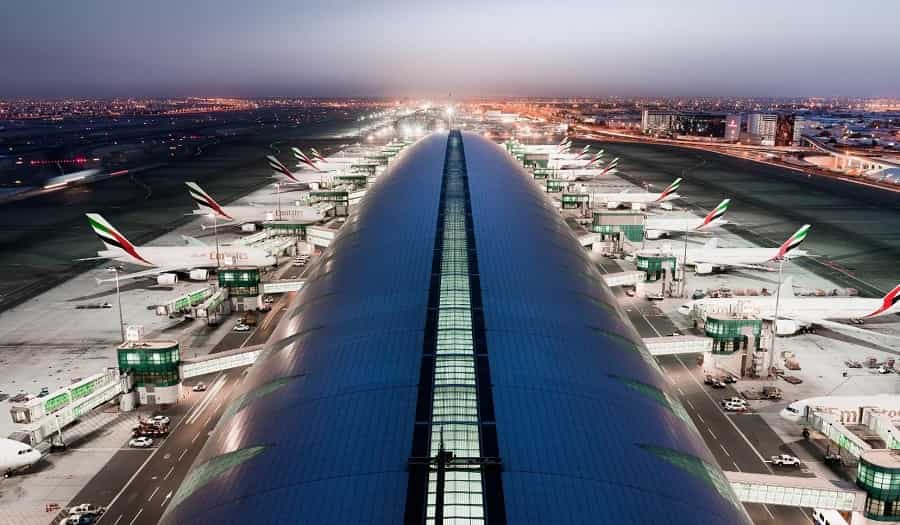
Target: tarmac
(744,442)
(50,341)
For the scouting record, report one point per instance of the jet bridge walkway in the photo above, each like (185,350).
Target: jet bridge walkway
(796,491)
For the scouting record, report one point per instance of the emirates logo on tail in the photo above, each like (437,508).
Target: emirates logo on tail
(205,201)
(717,213)
(795,240)
(277,166)
(889,301)
(672,188)
(112,238)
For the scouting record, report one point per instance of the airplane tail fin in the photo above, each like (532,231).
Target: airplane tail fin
(111,238)
(670,189)
(303,158)
(205,201)
(717,213)
(278,167)
(316,155)
(595,158)
(793,241)
(888,303)
(613,164)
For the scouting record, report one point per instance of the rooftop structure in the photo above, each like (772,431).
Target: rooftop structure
(455,357)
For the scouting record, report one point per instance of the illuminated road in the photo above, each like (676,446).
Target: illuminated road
(137,485)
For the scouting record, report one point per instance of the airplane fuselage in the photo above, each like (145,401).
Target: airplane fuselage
(190,257)
(15,455)
(734,256)
(257,214)
(801,308)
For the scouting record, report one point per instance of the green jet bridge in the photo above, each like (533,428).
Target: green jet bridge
(41,417)
(795,491)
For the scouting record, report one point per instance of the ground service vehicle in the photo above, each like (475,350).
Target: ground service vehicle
(785,460)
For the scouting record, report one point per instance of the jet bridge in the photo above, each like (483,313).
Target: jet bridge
(795,491)
(41,417)
(678,344)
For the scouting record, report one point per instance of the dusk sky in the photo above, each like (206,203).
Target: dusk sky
(524,47)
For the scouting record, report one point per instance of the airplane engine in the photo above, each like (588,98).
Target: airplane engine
(166,279)
(656,234)
(786,327)
(703,268)
(199,274)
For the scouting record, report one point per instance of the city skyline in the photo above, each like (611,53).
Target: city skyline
(99,48)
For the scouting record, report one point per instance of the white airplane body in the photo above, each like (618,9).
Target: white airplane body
(243,214)
(656,226)
(15,455)
(165,259)
(303,177)
(810,310)
(846,409)
(753,258)
(614,200)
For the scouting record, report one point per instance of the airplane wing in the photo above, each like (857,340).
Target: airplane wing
(886,341)
(153,272)
(192,241)
(758,267)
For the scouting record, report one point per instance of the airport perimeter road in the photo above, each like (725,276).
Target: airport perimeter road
(142,499)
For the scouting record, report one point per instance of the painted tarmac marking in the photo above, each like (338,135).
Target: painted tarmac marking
(136,516)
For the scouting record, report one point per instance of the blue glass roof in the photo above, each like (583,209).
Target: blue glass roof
(588,432)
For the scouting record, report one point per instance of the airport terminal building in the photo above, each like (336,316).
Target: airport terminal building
(456,358)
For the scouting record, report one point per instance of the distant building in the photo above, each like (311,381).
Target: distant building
(775,129)
(708,125)
(657,120)
(762,127)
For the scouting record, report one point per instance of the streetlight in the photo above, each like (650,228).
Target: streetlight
(216,235)
(278,201)
(775,321)
(684,262)
(115,270)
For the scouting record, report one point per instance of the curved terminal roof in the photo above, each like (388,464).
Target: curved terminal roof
(587,431)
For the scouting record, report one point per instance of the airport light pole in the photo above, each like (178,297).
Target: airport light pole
(278,201)
(115,270)
(775,321)
(216,236)
(684,262)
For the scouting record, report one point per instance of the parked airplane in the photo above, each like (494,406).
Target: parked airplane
(170,259)
(614,200)
(710,256)
(597,156)
(316,155)
(846,409)
(657,226)
(304,159)
(244,214)
(15,456)
(796,312)
(299,177)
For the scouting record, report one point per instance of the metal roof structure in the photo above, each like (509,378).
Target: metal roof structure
(533,378)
